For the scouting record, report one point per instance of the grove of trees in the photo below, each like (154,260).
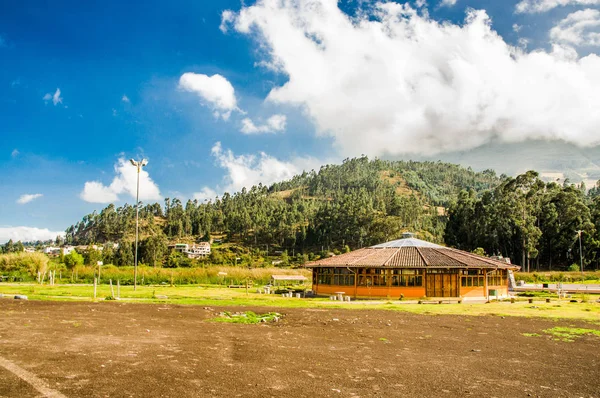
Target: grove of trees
(534,223)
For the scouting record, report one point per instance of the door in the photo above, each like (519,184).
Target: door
(442,285)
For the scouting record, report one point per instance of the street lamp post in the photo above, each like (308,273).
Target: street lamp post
(138,164)
(580,252)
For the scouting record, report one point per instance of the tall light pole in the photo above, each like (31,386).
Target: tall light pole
(580,252)
(138,164)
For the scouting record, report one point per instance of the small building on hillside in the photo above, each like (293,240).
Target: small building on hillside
(199,250)
(411,268)
(180,247)
(52,251)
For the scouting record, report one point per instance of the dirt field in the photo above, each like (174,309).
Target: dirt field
(108,349)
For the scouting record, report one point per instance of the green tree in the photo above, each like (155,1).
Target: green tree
(73,259)
(92,256)
(153,249)
(124,254)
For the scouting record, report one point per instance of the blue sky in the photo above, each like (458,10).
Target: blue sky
(88,85)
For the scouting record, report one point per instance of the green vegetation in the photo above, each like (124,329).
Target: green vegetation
(182,276)
(556,276)
(247,317)
(73,259)
(569,334)
(22,265)
(531,222)
(338,208)
(358,203)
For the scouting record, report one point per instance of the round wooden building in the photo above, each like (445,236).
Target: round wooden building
(411,268)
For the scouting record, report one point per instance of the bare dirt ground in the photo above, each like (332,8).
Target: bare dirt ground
(138,350)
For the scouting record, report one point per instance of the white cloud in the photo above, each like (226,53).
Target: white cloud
(536,6)
(274,124)
(205,194)
(26,198)
(114,112)
(516,28)
(123,183)
(125,99)
(392,81)
(56,98)
(248,170)
(575,29)
(15,152)
(448,3)
(226,18)
(27,234)
(214,90)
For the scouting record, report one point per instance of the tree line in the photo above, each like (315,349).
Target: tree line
(534,223)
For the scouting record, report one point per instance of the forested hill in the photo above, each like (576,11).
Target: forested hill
(358,203)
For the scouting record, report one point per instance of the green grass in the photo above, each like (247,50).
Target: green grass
(569,334)
(247,317)
(215,295)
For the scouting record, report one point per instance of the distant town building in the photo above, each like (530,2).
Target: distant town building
(52,251)
(199,250)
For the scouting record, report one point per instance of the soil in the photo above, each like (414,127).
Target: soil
(112,349)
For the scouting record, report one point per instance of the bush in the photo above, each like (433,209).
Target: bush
(573,268)
(30,263)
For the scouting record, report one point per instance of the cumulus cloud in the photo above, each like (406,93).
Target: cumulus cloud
(27,234)
(448,3)
(124,182)
(56,98)
(392,81)
(26,198)
(248,170)
(537,6)
(214,90)
(125,99)
(273,124)
(575,29)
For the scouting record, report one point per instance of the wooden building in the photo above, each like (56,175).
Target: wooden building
(411,268)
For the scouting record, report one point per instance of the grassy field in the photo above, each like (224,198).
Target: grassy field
(215,295)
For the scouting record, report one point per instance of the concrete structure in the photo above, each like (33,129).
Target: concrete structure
(199,250)
(411,268)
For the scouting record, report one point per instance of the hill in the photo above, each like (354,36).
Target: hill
(357,203)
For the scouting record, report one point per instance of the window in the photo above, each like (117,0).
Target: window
(406,278)
(335,276)
(476,278)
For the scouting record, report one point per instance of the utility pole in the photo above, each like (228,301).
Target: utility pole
(138,164)
(580,252)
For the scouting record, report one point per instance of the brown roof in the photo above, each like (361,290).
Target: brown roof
(413,253)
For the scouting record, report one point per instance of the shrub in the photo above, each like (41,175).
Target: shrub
(573,268)
(23,262)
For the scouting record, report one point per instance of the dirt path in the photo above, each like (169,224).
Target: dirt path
(139,350)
